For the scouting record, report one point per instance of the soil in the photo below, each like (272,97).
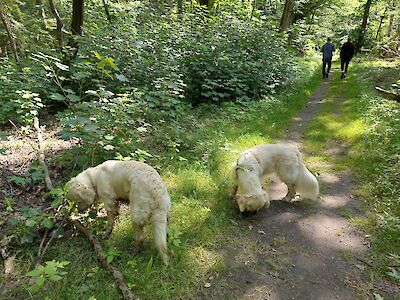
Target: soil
(300,250)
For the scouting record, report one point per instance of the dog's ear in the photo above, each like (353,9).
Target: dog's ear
(67,186)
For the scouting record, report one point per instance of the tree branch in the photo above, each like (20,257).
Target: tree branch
(126,293)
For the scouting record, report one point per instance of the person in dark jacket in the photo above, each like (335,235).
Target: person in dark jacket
(327,52)
(346,54)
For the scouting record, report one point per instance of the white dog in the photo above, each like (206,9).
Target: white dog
(259,161)
(131,181)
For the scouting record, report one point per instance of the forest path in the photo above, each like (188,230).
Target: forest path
(301,250)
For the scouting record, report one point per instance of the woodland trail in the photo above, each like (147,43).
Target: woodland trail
(301,250)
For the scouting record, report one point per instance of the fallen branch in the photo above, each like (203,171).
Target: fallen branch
(387,94)
(126,293)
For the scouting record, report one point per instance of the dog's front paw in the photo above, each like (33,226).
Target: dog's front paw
(288,199)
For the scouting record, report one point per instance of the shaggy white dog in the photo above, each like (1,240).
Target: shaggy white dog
(131,181)
(259,161)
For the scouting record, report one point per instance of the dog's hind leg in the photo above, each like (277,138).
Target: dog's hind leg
(160,239)
(290,194)
(138,234)
(110,223)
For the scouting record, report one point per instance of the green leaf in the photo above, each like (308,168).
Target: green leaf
(3,137)
(56,203)
(33,273)
(34,288)
(30,222)
(55,277)
(97,55)
(57,97)
(40,281)
(47,223)
(108,147)
(73,98)
(122,78)
(13,221)
(61,66)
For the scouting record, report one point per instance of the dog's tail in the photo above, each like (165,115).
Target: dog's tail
(307,184)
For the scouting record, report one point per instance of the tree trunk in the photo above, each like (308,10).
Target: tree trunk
(391,19)
(105,5)
(285,20)
(253,9)
(180,6)
(7,25)
(380,23)
(363,26)
(40,3)
(77,17)
(60,24)
(76,29)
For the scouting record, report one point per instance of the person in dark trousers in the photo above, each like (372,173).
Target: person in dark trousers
(346,54)
(327,52)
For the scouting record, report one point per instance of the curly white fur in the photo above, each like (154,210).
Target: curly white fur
(131,181)
(259,161)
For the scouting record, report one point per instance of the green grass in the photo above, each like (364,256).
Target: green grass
(199,185)
(368,125)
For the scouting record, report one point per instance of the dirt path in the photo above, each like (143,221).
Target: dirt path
(302,250)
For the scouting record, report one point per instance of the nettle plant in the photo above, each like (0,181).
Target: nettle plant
(109,123)
(52,271)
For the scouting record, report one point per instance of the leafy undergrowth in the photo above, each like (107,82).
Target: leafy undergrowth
(368,125)
(198,181)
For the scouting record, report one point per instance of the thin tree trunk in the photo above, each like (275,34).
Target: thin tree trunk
(380,23)
(285,20)
(180,6)
(76,29)
(7,25)
(253,9)
(77,17)
(60,24)
(363,26)
(42,12)
(105,5)
(391,19)
(311,22)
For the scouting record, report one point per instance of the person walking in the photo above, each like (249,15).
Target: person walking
(346,54)
(327,52)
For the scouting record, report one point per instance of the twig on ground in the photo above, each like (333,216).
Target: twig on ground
(46,232)
(126,293)
(364,262)
(53,235)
